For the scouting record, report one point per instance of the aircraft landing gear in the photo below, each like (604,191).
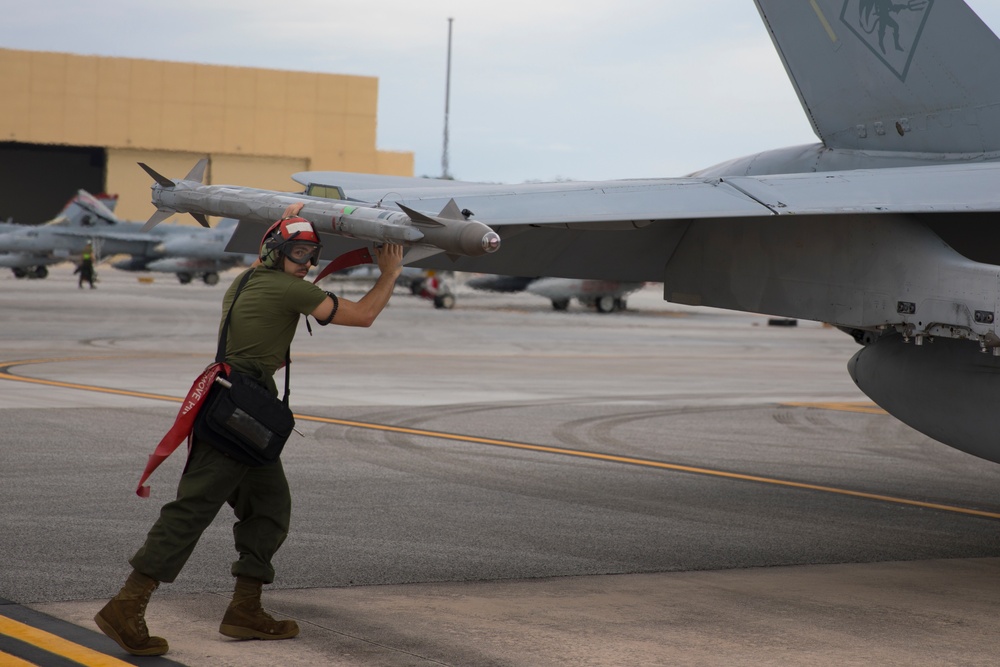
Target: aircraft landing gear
(560,304)
(211,278)
(433,288)
(30,272)
(609,304)
(184,278)
(445,301)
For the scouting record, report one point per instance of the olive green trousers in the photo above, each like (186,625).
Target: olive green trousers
(260,500)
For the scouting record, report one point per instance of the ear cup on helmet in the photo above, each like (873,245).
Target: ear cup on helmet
(280,233)
(270,253)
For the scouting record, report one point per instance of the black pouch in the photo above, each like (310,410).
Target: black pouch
(244,421)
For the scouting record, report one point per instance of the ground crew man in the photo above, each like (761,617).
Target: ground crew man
(86,268)
(263,323)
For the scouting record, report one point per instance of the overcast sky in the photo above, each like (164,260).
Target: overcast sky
(540,90)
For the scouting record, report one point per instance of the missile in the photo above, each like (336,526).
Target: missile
(449,231)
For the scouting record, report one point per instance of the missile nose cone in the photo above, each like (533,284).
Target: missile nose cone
(491,242)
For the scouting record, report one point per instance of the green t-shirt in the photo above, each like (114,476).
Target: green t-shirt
(264,320)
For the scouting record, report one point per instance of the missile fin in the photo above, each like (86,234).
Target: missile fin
(159,178)
(197,173)
(158,217)
(202,220)
(451,211)
(415,254)
(418,217)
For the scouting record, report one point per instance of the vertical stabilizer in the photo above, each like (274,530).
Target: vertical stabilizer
(86,209)
(891,75)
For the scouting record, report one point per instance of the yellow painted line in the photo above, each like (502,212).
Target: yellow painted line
(81,387)
(580,453)
(8,660)
(866,408)
(653,464)
(57,645)
(85,387)
(822,19)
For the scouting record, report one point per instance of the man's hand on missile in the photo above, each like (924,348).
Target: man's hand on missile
(389,257)
(292,210)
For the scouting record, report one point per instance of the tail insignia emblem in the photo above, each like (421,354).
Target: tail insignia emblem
(890,29)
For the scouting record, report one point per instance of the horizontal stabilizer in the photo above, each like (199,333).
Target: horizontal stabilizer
(158,217)
(159,178)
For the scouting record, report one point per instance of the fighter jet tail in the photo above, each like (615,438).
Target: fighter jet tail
(875,75)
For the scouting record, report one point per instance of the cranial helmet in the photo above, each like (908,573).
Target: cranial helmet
(294,238)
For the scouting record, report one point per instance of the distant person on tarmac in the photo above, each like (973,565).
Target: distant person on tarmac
(86,268)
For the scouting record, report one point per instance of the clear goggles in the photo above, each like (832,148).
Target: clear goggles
(302,253)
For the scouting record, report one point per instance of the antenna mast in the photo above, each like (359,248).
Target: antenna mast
(447,96)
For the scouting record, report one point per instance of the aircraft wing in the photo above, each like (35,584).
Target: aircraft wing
(963,188)
(103,234)
(614,205)
(559,203)
(937,188)
(628,230)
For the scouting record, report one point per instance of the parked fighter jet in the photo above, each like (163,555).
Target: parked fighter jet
(192,253)
(169,248)
(605,296)
(886,228)
(28,257)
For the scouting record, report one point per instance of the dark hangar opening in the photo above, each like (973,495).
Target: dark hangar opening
(37,180)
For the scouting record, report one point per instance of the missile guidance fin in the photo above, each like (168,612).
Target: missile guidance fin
(416,254)
(451,211)
(157,218)
(419,218)
(159,178)
(202,220)
(197,173)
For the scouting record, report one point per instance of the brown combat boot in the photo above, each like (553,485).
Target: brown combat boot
(246,619)
(123,618)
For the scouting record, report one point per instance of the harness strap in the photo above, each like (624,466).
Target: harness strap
(182,425)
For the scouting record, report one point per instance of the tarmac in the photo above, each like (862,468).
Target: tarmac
(499,485)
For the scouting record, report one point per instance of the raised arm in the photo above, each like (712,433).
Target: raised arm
(362,313)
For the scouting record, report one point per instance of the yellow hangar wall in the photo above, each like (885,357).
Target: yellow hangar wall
(256,126)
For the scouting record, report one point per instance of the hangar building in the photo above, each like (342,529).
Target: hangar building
(69,122)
